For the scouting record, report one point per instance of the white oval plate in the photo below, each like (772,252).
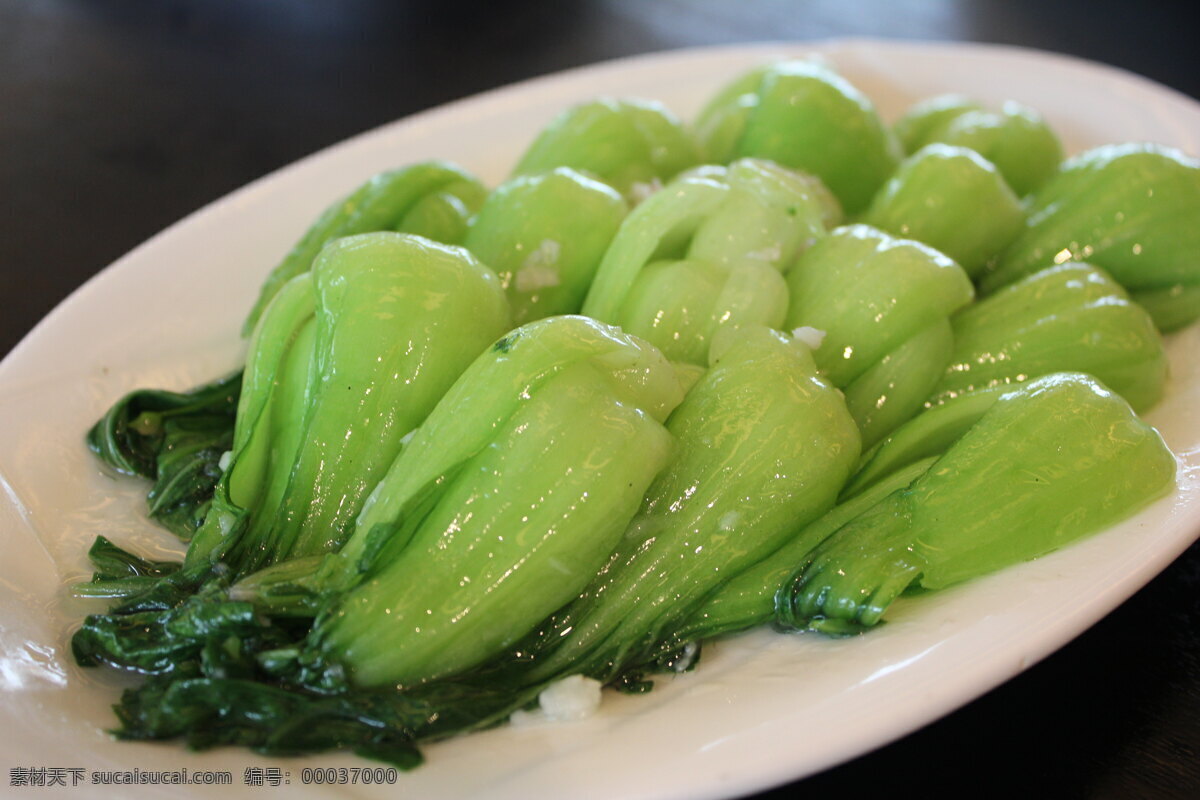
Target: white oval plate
(763,708)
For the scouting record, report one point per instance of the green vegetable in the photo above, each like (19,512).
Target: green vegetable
(771,214)
(748,600)
(344,363)
(119,573)
(1171,308)
(926,435)
(1072,317)
(1130,209)
(631,145)
(916,128)
(706,253)
(433,199)
(544,235)
(175,439)
(505,504)
(221,672)
(890,391)
(953,200)
(413,522)
(805,116)
(1016,139)
(1059,458)
(225,696)
(764,446)
(882,304)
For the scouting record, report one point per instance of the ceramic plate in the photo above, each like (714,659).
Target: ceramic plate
(763,708)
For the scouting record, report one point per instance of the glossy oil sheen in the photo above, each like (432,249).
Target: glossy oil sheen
(519,530)
(915,128)
(1055,460)
(749,598)
(707,253)
(893,388)
(1016,139)
(764,445)
(490,391)
(627,143)
(1128,208)
(433,199)
(1069,317)
(396,319)
(952,199)
(504,504)
(807,117)
(544,236)
(928,434)
(869,292)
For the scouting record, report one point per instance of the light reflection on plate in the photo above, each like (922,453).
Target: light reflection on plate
(762,708)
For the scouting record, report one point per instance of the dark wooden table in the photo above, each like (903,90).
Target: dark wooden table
(118,118)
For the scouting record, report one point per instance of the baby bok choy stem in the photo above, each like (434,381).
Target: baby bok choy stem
(347,360)
(1128,208)
(544,236)
(500,508)
(1070,317)
(883,305)
(434,199)
(764,446)
(748,600)
(1016,139)
(802,115)
(1056,459)
(952,199)
(630,144)
(503,507)
(342,367)
(708,252)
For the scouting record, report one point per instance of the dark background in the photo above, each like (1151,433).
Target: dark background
(118,118)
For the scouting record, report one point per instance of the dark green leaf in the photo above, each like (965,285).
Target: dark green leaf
(175,439)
